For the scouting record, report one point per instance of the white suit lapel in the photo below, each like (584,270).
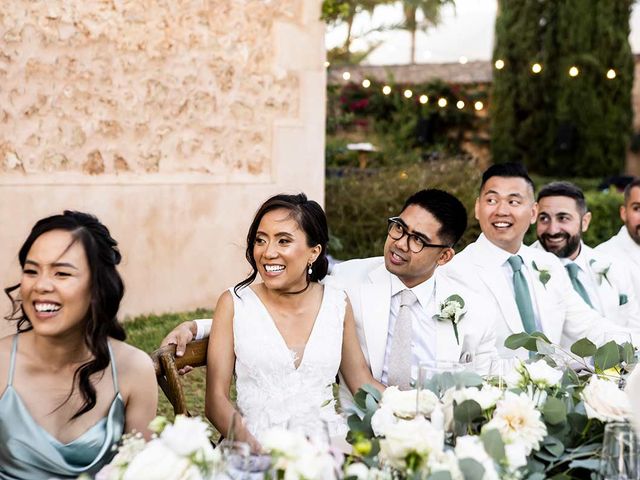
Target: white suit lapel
(376,304)
(447,349)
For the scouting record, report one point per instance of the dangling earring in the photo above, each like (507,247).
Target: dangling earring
(309,270)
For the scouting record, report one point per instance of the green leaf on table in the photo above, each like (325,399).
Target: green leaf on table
(441,475)
(493,444)
(471,469)
(627,353)
(584,348)
(606,356)
(371,403)
(561,476)
(554,411)
(537,476)
(373,391)
(466,412)
(360,399)
(467,379)
(553,446)
(589,464)
(544,348)
(518,340)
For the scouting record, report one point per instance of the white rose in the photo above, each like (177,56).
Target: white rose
(285,442)
(312,466)
(186,436)
(445,462)
(158,462)
(382,419)
(357,470)
(407,436)
(605,401)
(543,375)
(472,447)
(516,455)
(403,403)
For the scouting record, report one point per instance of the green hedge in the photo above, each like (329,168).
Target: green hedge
(358,202)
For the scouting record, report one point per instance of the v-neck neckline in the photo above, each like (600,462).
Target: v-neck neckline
(279,334)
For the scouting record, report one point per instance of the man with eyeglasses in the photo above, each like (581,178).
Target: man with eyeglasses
(405,309)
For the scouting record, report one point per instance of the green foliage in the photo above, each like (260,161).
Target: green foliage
(555,123)
(605,216)
(359,202)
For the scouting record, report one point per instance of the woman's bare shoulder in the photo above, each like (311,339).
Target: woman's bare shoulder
(131,360)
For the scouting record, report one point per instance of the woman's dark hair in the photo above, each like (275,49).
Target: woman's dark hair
(106,289)
(312,221)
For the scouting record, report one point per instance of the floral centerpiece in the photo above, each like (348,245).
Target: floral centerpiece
(547,422)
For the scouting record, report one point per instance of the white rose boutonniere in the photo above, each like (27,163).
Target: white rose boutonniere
(543,274)
(452,309)
(600,269)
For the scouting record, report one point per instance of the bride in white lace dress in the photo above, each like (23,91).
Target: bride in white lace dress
(286,337)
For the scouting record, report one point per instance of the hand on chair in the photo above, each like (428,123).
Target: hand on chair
(180,336)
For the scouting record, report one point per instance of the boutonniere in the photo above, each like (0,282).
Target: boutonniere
(600,269)
(543,274)
(452,309)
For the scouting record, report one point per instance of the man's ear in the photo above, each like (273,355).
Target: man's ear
(475,208)
(534,213)
(623,214)
(586,220)
(446,256)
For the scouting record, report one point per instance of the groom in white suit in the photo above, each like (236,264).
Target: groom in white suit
(529,286)
(602,281)
(419,241)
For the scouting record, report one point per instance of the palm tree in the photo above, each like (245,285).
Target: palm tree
(431,17)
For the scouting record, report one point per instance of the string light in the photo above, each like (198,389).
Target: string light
(326,64)
(536,68)
(611,74)
(408,93)
(386,89)
(346,75)
(478,105)
(573,71)
(463,60)
(366,83)
(460,104)
(499,64)
(424,99)
(442,102)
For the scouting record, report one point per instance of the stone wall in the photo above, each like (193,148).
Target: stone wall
(170,120)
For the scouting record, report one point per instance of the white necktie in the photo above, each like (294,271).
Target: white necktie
(400,360)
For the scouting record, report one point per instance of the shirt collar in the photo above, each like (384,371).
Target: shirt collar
(495,254)
(580,260)
(423,291)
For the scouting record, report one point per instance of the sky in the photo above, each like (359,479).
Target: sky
(466,32)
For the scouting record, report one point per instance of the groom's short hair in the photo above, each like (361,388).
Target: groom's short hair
(447,210)
(564,189)
(627,190)
(507,170)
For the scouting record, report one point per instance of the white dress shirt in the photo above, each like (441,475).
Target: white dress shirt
(588,281)
(423,326)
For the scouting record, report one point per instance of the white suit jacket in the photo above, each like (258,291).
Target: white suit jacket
(368,285)
(622,247)
(616,297)
(564,316)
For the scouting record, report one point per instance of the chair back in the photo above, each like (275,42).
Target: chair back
(167,365)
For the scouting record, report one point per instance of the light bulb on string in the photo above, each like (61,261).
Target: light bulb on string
(611,74)
(574,71)
(499,64)
(386,89)
(346,76)
(366,83)
(442,102)
(536,68)
(424,99)
(478,105)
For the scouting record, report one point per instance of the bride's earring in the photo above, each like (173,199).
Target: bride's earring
(310,269)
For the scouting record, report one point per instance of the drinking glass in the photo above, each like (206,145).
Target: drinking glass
(235,459)
(436,376)
(501,367)
(619,459)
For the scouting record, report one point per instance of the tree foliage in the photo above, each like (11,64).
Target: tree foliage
(556,123)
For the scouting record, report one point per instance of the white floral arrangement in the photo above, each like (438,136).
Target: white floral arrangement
(601,270)
(452,309)
(178,451)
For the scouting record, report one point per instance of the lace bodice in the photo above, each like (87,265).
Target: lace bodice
(271,391)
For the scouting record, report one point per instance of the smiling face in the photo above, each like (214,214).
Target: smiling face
(281,252)
(505,209)
(559,227)
(630,214)
(56,284)
(414,268)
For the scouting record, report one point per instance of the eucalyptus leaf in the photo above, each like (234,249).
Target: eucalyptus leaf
(373,391)
(553,446)
(467,411)
(372,405)
(471,469)
(442,475)
(628,353)
(607,356)
(589,464)
(554,411)
(584,348)
(544,348)
(493,444)
(355,424)
(537,476)
(517,340)
(467,379)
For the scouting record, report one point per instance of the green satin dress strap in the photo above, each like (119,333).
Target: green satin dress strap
(27,451)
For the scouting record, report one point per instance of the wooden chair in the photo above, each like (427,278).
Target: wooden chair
(167,366)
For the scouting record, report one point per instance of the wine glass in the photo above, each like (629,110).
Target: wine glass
(501,367)
(619,459)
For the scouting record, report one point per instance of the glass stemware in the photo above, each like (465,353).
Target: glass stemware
(619,459)
(501,368)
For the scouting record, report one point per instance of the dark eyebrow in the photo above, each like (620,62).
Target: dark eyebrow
(279,234)
(488,192)
(55,264)
(420,235)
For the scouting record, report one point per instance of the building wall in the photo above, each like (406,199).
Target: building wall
(171,121)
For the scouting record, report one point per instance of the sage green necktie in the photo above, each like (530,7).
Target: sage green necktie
(572,269)
(523,298)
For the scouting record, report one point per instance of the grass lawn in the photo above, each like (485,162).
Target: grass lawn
(147,332)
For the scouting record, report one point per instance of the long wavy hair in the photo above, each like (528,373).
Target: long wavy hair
(311,219)
(107,290)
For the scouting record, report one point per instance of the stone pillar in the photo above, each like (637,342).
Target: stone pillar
(171,121)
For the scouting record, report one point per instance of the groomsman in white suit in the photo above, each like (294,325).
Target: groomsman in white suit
(529,286)
(602,282)
(397,299)
(625,245)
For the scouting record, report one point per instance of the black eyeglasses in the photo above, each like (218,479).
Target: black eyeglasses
(397,229)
